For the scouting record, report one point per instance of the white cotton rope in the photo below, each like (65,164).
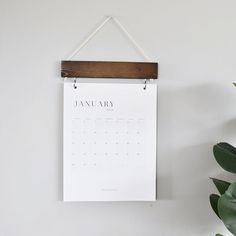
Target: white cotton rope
(117,23)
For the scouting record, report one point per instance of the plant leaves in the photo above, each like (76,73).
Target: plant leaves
(227,208)
(219,235)
(214,203)
(225,155)
(221,185)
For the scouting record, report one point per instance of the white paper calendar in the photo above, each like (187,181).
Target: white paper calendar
(109,142)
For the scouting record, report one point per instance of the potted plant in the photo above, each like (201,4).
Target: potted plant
(224,203)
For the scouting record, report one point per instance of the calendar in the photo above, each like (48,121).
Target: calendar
(109,141)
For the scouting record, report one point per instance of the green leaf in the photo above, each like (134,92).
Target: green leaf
(214,203)
(219,235)
(221,185)
(227,208)
(225,155)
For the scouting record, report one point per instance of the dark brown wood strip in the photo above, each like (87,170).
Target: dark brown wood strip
(106,69)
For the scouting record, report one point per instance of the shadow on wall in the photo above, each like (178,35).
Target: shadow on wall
(191,119)
(60,141)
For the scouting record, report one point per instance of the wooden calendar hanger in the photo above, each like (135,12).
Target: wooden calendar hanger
(109,69)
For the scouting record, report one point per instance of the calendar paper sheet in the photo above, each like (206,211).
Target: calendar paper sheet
(109,142)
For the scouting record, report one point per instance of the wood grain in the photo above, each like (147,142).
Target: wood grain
(107,69)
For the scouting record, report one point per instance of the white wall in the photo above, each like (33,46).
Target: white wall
(194,43)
